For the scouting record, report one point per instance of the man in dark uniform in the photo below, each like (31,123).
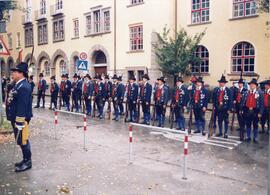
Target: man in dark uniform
(117,96)
(19,113)
(108,89)
(222,100)
(199,102)
(132,96)
(41,91)
(161,97)
(121,103)
(61,90)
(31,82)
(76,92)
(99,90)
(266,111)
(179,103)
(67,92)
(252,106)
(80,84)
(54,89)
(88,88)
(237,96)
(145,98)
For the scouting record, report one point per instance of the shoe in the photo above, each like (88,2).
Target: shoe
(18,164)
(147,123)
(203,134)
(114,119)
(25,166)
(241,139)
(218,135)
(225,136)
(197,131)
(262,132)
(36,106)
(255,141)
(248,140)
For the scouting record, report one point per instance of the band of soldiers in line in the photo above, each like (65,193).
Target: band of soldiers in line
(88,95)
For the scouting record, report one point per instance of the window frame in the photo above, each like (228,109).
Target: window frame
(47,68)
(58,30)
(43,34)
(200,11)
(244,3)
(28,36)
(136,42)
(136,2)
(204,60)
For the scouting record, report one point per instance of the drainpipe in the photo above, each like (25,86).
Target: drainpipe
(114,45)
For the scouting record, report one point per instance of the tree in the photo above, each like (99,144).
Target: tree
(263,5)
(5,6)
(175,55)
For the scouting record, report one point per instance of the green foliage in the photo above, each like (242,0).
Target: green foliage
(263,5)
(5,6)
(175,55)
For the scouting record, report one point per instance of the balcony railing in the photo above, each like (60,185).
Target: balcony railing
(56,9)
(26,19)
(40,14)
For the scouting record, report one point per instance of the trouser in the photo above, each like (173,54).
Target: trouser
(179,115)
(265,119)
(100,106)
(160,113)
(223,116)
(132,110)
(75,98)
(252,119)
(116,109)
(121,107)
(26,148)
(215,121)
(241,122)
(54,101)
(146,111)
(199,119)
(88,105)
(66,99)
(41,95)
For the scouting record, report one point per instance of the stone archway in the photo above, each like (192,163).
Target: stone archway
(43,58)
(32,67)
(59,64)
(99,58)
(10,64)
(3,66)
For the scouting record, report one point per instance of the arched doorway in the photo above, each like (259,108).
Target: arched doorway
(75,60)
(99,62)
(59,64)
(3,68)
(10,64)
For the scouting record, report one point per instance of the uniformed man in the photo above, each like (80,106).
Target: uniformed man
(222,100)
(99,91)
(161,98)
(31,82)
(88,89)
(132,97)
(61,91)
(117,96)
(76,92)
(67,92)
(54,89)
(179,103)
(199,101)
(108,90)
(41,91)
(19,113)
(266,101)
(145,98)
(121,105)
(80,84)
(237,96)
(252,106)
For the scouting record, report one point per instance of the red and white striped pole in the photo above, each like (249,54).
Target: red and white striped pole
(185,156)
(55,122)
(130,143)
(84,128)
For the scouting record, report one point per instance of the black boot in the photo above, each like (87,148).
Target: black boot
(25,166)
(18,164)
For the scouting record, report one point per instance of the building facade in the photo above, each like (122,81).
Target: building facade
(118,36)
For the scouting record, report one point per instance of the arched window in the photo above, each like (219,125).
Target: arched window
(243,57)
(63,67)
(47,68)
(203,54)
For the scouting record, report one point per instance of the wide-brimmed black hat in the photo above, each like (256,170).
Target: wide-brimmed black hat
(199,80)
(41,74)
(107,76)
(21,67)
(161,79)
(75,76)
(63,76)
(241,81)
(114,76)
(31,77)
(223,79)
(132,77)
(179,79)
(267,82)
(98,77)
(146,76)
(52,78)
(66,76)
(120,78)
(87,76)
(253,81)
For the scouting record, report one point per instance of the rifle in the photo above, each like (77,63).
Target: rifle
(154,115)
(72,102)
(172,114)
(138,116)
(109,108)
(211,122)
(94,107)
(190,119)
(126,114)
(233,118)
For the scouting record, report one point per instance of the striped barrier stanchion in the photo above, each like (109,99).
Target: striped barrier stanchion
(185,156)
(84,130)
(130,143)
(55,122)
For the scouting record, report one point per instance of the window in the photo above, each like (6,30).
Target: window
(59,5)
(28,11)
(42,7)
(63,67)
(136,38)
(28,33)
(242,8)
(203,54)
(18,39)
(140,74)
(200,11)
(97,21)
(58,30)
(42,34)
(135,2)
(76,27)
(88,25)
(243,57)
(10,41)
(3,27)
(47,68)
(107,21)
